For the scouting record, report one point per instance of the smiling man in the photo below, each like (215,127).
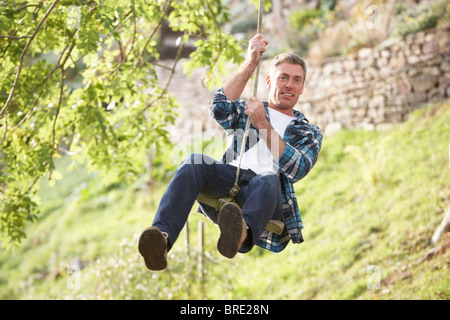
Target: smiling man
(282,148)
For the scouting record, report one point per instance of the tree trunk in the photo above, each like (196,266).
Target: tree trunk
(443,227)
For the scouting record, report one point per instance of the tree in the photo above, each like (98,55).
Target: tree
(79,77)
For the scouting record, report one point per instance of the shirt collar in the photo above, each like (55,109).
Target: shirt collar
(299,117)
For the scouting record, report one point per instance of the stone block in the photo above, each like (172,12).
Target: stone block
(398,100)
(394,117)
(415,49)
(402,85)
(363,101)
(377,101)
(430,47)
(353,102)
(420,37)
(328,116)
(423,82)
(416,97)
(436,94)
(370,73)
(349,65)
(381,62)
(376,115)
(364,53)
(412,59)
(410,38)
(430,37)
(328,69)
(385,54)
(332,128)
(445,66)
(385,71)
(433,70)
(359,113)
(397,62)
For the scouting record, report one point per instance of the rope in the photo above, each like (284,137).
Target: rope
(235,189)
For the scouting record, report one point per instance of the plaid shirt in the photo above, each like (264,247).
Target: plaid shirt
(303,143)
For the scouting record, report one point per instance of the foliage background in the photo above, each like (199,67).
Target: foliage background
(79,78)
(84,149)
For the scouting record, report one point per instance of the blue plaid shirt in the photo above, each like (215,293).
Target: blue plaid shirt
(303,143)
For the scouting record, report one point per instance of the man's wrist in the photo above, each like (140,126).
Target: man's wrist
(250,65)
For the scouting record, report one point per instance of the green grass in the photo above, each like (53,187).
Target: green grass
(373,199)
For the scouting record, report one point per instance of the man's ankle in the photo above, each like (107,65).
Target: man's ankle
(244,233)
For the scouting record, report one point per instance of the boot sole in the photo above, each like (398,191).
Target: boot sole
(230,224)
(153,247)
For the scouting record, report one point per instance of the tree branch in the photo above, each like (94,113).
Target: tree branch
(163,92)
(219,51)
(123,58)
(61,93)
(157,27)
(15,38)
(27,6)
(22,56)
(6,130)
(58,65)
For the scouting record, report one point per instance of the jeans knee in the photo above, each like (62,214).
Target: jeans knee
(193,158)
(271,178)
(198,158)
(195,164)
(269,181)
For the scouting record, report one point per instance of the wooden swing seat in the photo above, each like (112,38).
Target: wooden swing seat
(275,226)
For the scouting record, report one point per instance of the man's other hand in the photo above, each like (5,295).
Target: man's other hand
(256,47)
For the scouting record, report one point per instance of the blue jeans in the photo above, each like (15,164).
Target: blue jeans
(259,196)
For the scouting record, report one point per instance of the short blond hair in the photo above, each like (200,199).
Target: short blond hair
(288,58)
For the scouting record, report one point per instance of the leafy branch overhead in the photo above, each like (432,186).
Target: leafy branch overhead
(78,77)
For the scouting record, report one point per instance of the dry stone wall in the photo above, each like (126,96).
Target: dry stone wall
(367,89)
(375,86)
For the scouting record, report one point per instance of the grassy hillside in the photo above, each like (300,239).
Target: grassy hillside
(369,207)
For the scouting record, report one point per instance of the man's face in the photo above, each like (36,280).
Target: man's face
(285,85)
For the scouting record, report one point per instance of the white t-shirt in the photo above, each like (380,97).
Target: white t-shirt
(259,158)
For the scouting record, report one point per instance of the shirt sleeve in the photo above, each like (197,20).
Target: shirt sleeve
(301,152)
(226,112)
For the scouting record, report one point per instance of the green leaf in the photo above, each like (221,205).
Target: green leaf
(115,142)
(4,23)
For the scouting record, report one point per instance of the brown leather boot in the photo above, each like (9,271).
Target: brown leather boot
(233,230)
(153,247)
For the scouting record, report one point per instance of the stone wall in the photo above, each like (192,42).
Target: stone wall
(367,89)
(372,87)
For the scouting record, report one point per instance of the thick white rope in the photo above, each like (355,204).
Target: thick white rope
(235,187)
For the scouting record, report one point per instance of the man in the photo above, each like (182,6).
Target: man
(282,148)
